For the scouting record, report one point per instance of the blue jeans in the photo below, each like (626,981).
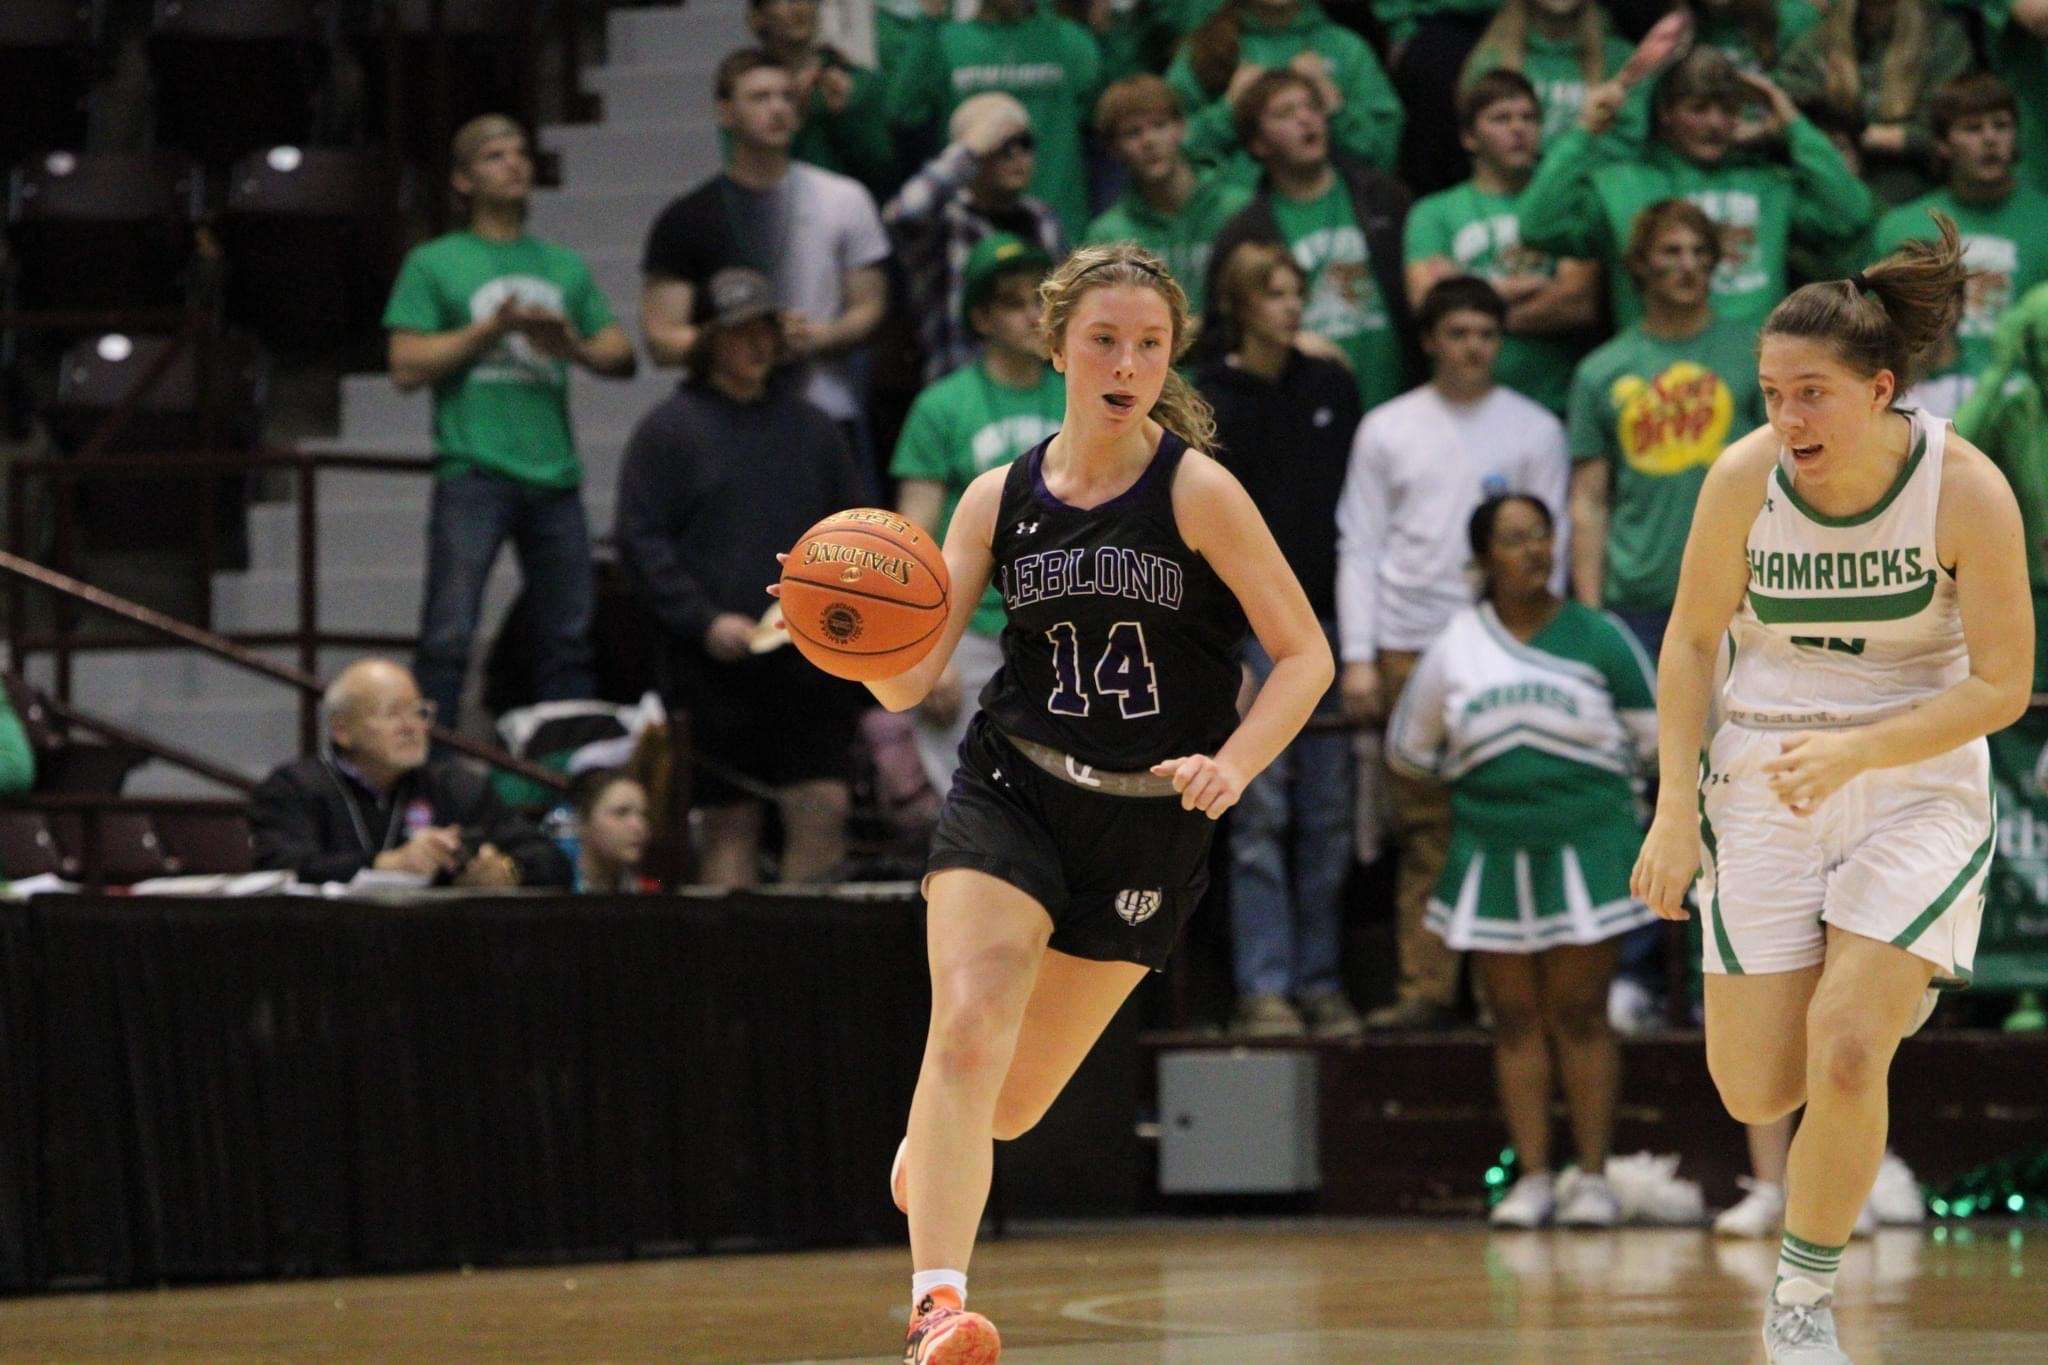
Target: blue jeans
(1287,913)
(473,515)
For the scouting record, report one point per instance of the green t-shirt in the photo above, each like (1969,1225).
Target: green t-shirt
(965,425)
(1050,64)
(2005,246)
(17,756)
(1367,127)
(1659,412)
(1183,240)
(1344,303)
(508,412)
(1482,234)
(1553,68)
(1588,190)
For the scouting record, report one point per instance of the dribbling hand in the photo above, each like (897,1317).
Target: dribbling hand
(1206,784)
(1666,866)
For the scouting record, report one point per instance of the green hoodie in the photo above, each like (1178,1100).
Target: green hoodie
(2003,244)
(2021,59)
(1721,31)
(1588,191)
(2007,419)
(1368,127)
(1050,64)
(1183,240)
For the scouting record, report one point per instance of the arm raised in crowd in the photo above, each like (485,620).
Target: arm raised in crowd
(1560,209)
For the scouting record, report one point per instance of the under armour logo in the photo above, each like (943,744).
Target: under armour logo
(1770,503)
(1082,773)
(1025,528)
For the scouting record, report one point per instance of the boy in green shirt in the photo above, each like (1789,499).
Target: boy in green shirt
(1650,411)
(1020,47)
(1565,49)
(977,418)
(2016,42)
(491,319)
(1170,209)
(1590,187)
(2004,224)
(845,116)
(1475,229)
(1341,223)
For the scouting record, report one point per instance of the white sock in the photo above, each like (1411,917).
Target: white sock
(925,1281)
(1806,1270)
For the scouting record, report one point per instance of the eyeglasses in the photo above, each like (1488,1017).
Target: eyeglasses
(1022,142)
(421,711)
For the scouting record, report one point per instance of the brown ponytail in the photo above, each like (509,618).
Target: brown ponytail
(1891,313)
(1178,408)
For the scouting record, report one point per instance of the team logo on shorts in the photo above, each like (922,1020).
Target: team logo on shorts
(1135,907)
(842,623)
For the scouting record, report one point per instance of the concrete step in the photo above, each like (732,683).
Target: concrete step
(676,35)
(651,92)
(372,407)
(596,219)
(155,778)
(677,150)
(372,601)
(384,535)
(247,736)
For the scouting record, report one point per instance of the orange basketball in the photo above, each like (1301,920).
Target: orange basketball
(865,594)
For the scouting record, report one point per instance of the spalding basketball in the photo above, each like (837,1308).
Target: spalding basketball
(865,594)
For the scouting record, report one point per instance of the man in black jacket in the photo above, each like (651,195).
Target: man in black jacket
(377,802)
(716,481)
(1341,222)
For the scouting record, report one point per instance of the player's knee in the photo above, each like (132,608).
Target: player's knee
(1015,1118)
(1752,1098)
(1516,1021)
(1842,1056)
(966,1044)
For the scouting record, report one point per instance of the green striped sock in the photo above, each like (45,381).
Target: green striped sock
(1799,1259)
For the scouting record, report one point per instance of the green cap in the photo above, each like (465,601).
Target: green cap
(995,255)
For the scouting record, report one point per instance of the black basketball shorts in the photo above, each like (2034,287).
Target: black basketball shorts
(1118,874)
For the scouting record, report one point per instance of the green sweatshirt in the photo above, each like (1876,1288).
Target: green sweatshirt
(2007,418)
(1588,191)
(1050,64)
(855,141)
(2021,60)
(1399,17)
(2004,244)
(1802,74)
(1183,239)
(1553,68)
(17,757)
(1368,127)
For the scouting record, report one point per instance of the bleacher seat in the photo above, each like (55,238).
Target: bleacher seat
(207,841)
(314,237)
(44,52)
(103,230)
(126,845)
(486,49)
(97,373)
(28,847)
(232,75)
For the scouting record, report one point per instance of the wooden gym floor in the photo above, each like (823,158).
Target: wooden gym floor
(1190,1293)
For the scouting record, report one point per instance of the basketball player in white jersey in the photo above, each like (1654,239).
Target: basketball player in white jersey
(1867,568)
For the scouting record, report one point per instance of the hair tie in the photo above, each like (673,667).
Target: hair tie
(1860,283)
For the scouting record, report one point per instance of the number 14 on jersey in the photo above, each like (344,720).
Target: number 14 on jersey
(1123,671)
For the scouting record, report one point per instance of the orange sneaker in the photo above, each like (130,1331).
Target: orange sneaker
(899,1178)
(942,1333)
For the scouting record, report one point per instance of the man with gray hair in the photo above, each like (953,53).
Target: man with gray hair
(375,801)
(490,319)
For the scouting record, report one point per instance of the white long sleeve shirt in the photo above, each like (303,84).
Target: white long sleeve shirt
(1419,465)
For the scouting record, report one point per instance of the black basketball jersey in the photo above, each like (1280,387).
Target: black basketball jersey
(1122,643)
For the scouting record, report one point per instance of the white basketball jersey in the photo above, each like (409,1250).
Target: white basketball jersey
(1847,619)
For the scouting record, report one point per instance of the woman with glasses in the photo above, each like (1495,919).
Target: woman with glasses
(1539,714)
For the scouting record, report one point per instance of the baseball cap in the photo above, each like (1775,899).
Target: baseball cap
(736,295)
(998,254)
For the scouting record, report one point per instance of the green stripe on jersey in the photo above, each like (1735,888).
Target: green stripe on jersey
(1887,606)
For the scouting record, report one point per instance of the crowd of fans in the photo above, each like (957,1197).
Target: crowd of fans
(1447,251)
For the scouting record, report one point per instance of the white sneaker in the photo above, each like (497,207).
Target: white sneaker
(1760,1213)
(1587,1201)
(1802,1334)
(1631,1009)
(1528,1205)
(1896,1196)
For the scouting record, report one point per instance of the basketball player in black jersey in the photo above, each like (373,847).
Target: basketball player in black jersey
(1075,840)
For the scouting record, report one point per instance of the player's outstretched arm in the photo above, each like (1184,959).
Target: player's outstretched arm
(969,560)
(1219,521)
(1711,581)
